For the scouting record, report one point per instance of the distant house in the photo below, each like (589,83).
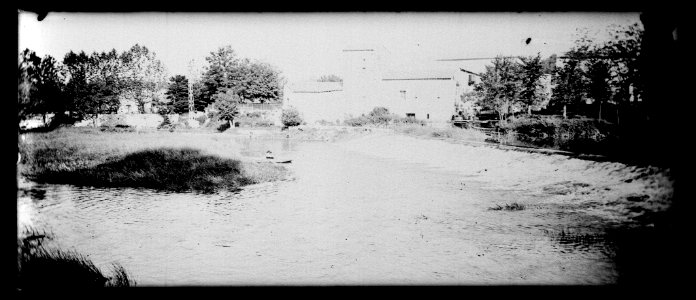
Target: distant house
(428,93)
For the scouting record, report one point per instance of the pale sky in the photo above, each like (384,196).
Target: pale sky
(304,46)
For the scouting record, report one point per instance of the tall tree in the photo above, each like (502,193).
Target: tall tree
(251,81)
(531,91)
(259,82)
(49,87)
(570,85)
(599,75)
(93,84)
(28,78)
(499,86)
(177,93)
(143,75)
(226,104)
(223,65)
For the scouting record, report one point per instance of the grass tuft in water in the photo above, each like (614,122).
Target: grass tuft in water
(509,207)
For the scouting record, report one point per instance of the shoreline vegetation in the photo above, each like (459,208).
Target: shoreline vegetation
(86,156)
(41,265)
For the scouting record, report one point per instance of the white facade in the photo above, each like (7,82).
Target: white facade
(426,94)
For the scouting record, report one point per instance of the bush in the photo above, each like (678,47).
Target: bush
(378,116)
(201,119)
(113,120)
(291,117)
(117,128)
(580,135)
(407,120)
(223,126)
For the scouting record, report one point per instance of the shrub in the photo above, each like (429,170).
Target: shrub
(580,134)
(223,126)
(117,128)
(201,119)
(291,117)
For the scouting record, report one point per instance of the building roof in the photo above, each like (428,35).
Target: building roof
(315,87)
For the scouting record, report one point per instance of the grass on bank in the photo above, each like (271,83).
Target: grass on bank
(40,266)
(156,160)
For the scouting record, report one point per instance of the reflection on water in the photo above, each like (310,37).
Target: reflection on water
(345,218)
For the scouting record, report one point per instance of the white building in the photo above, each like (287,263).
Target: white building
(426,93)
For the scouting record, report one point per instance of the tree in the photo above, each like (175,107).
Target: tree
(75,71)
(549,64)
(599,82)
(226,105)
(222,65)
(93,84)
(570,85)
(291,117)
(330,78)
(259,82)
(28,78)
(143,75)
(177,93)
(499,86)
(251,81)
(531,92)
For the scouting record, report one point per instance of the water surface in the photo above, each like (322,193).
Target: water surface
(344,218)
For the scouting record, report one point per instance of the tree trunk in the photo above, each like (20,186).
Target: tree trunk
(600,111)
(617,115)
(565,116)
(529,110)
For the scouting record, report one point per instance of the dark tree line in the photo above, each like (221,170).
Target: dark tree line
(227,78)
(594,72)
(83,85)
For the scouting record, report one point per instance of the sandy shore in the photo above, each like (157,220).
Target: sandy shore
(610,190)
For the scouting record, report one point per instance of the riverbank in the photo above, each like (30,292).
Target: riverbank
(610,190)
(182,161)
(627,209)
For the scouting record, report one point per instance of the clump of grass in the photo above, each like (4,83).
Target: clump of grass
(43,267)
(164,169)
(509,207)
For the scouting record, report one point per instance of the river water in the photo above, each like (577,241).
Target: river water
(344,218)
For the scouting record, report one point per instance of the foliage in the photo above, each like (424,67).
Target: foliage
(499,86)
(226,105)
(91,90)
(577,134)
(602,71)
(330,78)
(255,119)
(177,93)
(251,81)
(291,117)
(142,75)
(570,84)
(531,92)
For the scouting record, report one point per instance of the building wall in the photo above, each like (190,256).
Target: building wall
(313,107)
(430,100)
(364,88)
